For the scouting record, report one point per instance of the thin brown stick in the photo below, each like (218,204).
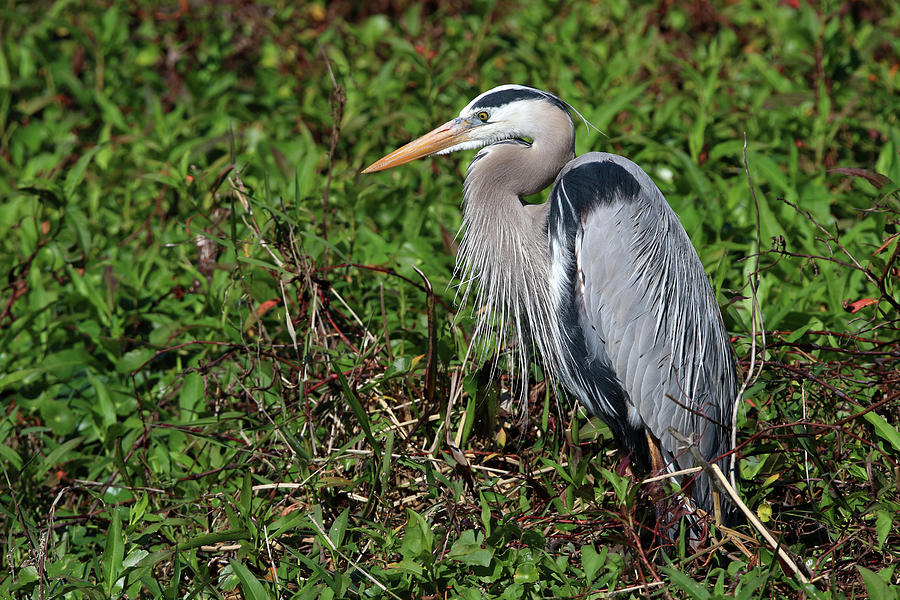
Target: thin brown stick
(430,356)
(338,100)
(755,327)
(721,481)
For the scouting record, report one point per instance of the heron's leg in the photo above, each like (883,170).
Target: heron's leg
(666,520)
(657,464)
(669,510)
(656,489)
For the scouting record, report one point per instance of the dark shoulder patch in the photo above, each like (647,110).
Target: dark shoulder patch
(600,182)
(503,97)
(585,187)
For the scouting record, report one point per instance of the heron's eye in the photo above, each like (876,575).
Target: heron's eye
(483,116)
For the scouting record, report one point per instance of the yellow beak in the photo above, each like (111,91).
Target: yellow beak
(446,136)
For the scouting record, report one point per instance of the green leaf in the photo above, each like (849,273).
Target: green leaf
(400,366)
(485,514)
(11,455)
(113,553)
(133,360)
(605,112)
(245,500)
(286,523)
(76,174)
(883,429)
(134,558)
(336,532)
(888,162)
(525,573)
(28,575)
(748,586)
(876,587)
(59,364)
(110,111)
(104,406)
(592,561)
(191,396)
(418,539)
(210,539)
(884,520)
(619,483)
(250,585)
(58,455)
(467,549)
(695,137)
(138,509)
(4,71)
(139,563)
(58,415)
(385,475)
(408,565)
(683,582)
(801,331)
(357,408)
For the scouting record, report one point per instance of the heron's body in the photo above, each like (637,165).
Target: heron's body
(601,282)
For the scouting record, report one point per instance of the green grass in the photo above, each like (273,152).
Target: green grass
(215,360)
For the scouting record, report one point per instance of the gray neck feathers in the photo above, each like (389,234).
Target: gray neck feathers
(504,248)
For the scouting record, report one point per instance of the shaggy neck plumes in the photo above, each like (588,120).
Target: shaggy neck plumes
(504,249)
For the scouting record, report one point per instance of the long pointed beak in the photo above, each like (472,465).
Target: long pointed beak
(446,136)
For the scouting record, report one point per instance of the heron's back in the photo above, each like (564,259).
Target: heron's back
(649,346)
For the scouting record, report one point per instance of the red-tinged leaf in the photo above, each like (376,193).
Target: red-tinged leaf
(854,307)
(886,244)
(267,306)
(876,179)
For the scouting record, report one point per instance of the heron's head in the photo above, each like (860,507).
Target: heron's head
(506,112)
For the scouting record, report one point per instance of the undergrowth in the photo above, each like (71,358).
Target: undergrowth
(230,364)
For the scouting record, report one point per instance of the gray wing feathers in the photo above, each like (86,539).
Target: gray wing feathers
(647,300)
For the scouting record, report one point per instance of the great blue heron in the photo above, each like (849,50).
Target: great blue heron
(601,282)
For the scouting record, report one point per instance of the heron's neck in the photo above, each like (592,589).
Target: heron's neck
(504,247)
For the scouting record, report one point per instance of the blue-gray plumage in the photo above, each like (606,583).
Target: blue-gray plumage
(600,284)
(657,351)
